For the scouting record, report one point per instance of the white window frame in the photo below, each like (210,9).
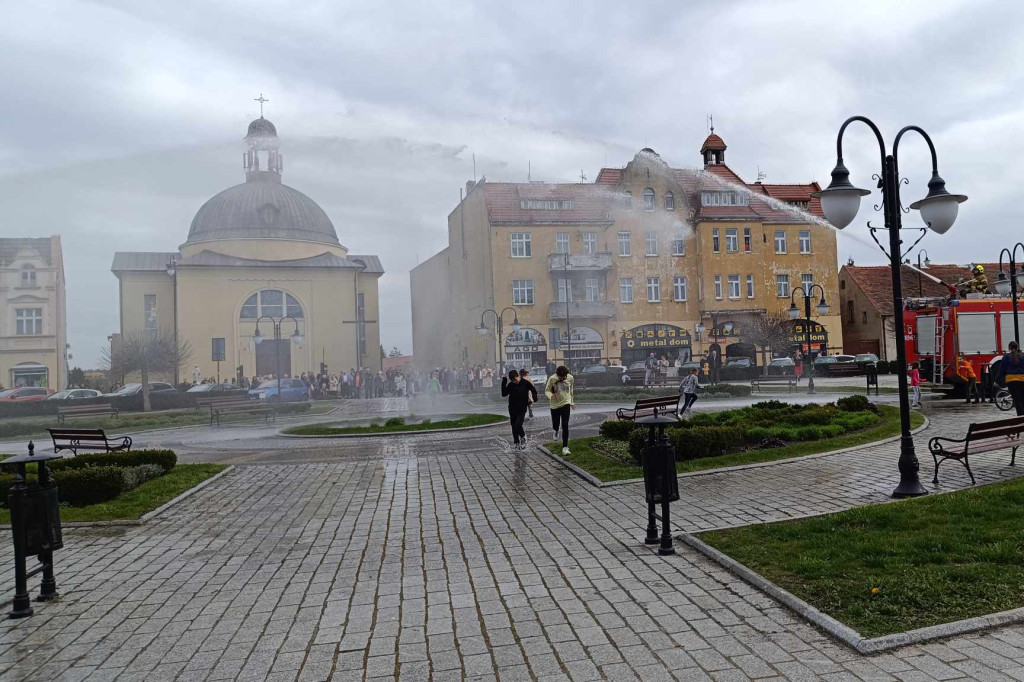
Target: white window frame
(649,199)
(718,287)
(650,243)
(28,321)
(670,201)
(782,286)
(732,240)
(807,282)
(590,243)
(520,244)
(564,292)
(734,287)
(522,292)
(750,286)
(805,241)
(748,240)
(679,288)
(715,243)
(679,244)
(626,290)
(593,290)
(654,290)
(28,277)
(561,242)
(149,321)
(780,241)
(624,240)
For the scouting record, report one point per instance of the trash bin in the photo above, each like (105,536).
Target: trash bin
(661,485)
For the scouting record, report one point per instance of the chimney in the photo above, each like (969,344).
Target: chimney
(470,184)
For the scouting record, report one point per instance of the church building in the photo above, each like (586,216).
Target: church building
(258,254)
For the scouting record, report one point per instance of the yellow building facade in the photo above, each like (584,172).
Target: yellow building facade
(258,255)
(645,259)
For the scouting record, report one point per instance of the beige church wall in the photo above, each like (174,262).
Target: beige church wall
(134,286)
(263,249)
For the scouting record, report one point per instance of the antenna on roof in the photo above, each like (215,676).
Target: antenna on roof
(850,261)
(761,175)
(711,124)
(583,178)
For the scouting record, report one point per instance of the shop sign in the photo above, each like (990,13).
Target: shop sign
(656,336)
(583,338)
(720,334)
(798,334)
(526,340)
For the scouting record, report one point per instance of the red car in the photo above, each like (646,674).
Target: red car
(24,394)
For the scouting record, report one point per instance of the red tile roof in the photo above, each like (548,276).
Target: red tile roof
(590,203)
(608,176)
(876,282)
(713,142)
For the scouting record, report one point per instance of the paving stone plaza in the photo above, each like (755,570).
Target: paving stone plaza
(449,557)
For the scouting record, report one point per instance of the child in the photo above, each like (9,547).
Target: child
(559,393)
(915,383)
(518,393)
(688,389)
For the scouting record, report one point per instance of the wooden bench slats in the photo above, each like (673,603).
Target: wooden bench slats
(85,411)
(790,381)
(87,439)
(981,437)
(239,405)
(649,406)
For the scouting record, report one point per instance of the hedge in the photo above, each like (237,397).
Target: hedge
(165,459)
(617,430)
(705,441)
(854,403)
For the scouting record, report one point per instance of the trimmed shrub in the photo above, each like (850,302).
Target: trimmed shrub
(735,390)
(136,476)
(617,430)
(772,405)
(637,439)
(705,441)
(394,421)
(853,403)
(166,459)
(91,485)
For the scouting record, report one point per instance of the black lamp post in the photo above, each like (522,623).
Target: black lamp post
(794,314)
(840,202)
(499,330)
(276,324)
(1012,284)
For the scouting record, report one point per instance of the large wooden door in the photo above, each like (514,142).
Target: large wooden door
(266,357)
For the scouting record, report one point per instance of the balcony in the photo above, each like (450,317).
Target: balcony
(583,310)
(580,262)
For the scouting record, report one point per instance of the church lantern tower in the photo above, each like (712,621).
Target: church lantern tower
(261,159)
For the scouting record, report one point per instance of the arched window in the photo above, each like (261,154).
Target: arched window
(648,199)
(28,276)
(270,302)
(670,201)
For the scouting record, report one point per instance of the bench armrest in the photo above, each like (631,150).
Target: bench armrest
(935,444)
(621,414)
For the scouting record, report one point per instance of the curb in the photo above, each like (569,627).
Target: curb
(394,433)
(593,480)
(844,633)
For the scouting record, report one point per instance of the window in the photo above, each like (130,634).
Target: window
(28,321)
(807,281)
(734,286)
(546,204)
(849,312)
(653,290)
(561,242)
(750,286)
(268,302)
(679,288)
(678,244)
(149,307)
(782,286)
(626,290)
(521,245)
(714,240)
(590,243)
(864,317)
(670,201)
(626,200)
(718,286)
(522,292)
(217,350)
(724,199)
(780,241)
(651,243)
(746,239)
(805,241)
(732,240)
(28,276)
(564,289)
(648,199)
(623,243)
(555,337)
(592,290)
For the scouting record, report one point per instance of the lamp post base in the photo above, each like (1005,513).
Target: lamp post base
(912,488)
(910,483)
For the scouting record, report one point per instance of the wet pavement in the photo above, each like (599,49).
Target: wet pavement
(447,556)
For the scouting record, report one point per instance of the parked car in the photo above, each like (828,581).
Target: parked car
(136,388)
(737,369)
(601,375)
(207,388)
(291,390)
(865,360)
(24,394)
(73,394)
(835,365)
(782,367)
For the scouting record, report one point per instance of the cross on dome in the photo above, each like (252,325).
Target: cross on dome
(261,99)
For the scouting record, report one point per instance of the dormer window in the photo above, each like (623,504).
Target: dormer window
(724,199)
(28,276)
(648,199)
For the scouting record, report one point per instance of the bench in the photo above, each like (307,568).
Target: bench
(97,410)
(647,407)
(981,437)
(210,400)
(240,406)
(790,381)
(87,439)
(841,369)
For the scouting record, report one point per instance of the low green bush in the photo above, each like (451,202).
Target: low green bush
(166,459)
(705,441)
(735,390)
(394,421)
(617,430)
(637,439)
(854,403)
(90,485)
(136,476)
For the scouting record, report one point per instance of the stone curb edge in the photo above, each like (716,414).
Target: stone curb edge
(282,434)
(590,478)
(844,633)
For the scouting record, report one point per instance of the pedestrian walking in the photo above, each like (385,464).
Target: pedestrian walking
(966,372)
(915,383)
(558,390)
(1011,375)
(650,370)
(519,393)
(524,374)
(688,389)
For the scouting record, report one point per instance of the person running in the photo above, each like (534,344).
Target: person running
(966,372)
(1011,375)
(558,390)
(915,383)
(688,389)
(524,374)
(518,392)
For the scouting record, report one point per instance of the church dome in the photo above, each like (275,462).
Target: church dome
(262,210)
(261,127)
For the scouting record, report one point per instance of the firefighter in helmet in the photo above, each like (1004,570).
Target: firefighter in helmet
(977,284)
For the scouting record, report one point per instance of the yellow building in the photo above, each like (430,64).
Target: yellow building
(635,263)
(256,253)
(33,315)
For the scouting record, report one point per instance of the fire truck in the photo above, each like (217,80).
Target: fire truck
(939,329)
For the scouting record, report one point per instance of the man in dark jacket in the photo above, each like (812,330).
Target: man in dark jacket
(519,393)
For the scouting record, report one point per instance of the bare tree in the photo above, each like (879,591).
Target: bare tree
(146,351)
(772,332)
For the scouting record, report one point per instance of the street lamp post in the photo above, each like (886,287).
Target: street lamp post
(794,313)
(920,279)
(499,330)
(1012,284)
(296,338)
(840,202)
(568,300)
(172,270)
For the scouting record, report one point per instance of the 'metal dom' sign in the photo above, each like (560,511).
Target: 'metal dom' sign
(798,334)
(656,336)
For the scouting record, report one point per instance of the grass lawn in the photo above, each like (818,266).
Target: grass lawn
(608,468)
(396,426)
(932,560)
(145,498)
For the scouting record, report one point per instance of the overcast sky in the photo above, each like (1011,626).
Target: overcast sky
(121,118)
